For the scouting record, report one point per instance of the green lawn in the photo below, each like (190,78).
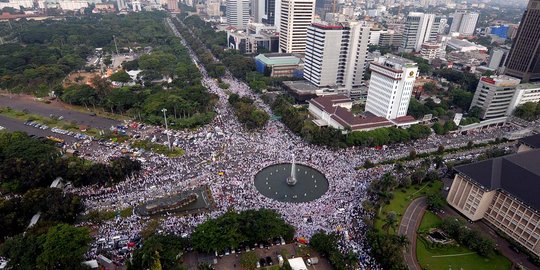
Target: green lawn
(453,257)
(429,221)
(402,199)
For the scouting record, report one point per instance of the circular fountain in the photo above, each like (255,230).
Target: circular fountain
(291,182)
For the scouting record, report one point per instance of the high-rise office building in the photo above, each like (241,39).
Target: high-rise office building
(238,13)
(464,23)
(336,54)
(390,86)
(419,28)
(494,95)
(269,12)
(524,58)
(497,58)
(295,17)
(257,10)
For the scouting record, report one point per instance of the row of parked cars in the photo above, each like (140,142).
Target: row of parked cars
(36,125)
(245,248)
(77,135)
(263,262)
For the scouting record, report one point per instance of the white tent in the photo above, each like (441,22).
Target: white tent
(297,264)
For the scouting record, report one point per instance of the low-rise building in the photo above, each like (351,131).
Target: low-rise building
(335,111)
(463,45)
(501,191)
(431,50)
(279,64)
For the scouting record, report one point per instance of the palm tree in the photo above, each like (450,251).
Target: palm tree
(438,160)
(390,222)
(402,240)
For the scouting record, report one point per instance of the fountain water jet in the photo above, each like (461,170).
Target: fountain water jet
(291,180)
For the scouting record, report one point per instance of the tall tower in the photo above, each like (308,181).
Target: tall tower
(390,86)
(336,54)
(524,58)
(419,28)
(269,12)
(295,17)
(257,10)
(464,23)
(238,13)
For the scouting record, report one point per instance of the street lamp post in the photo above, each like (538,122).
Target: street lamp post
(166,127)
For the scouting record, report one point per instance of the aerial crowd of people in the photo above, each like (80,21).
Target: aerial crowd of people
(225,157)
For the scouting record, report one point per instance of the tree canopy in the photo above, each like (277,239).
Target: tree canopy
(245,228)
(49,50)
(167,246)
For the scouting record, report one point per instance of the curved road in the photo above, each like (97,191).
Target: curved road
(408,227)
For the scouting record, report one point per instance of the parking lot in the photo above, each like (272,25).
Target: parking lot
(16,125)
(23,102)
(232,260)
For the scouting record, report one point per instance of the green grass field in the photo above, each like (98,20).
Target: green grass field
(402,199)
(453,257)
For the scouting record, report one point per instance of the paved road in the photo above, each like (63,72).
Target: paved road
(408,227)
(23,102)
(18,125)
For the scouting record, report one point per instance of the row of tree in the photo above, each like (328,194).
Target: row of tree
(202,33)
(189,107)
(247,112)
(27,163)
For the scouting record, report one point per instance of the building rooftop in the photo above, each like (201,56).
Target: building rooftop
(531,141)
(501,80)
(345,117)
(394,62)
(461,43)
(528,86)
(279,58)
(301,85)
(517,175)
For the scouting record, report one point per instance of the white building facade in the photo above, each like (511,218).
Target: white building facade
(238,13)
(419,28)
(295,18)
(464,23)
(431,50)
(494,95)
(336,54)
(526,92)
(390,86)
